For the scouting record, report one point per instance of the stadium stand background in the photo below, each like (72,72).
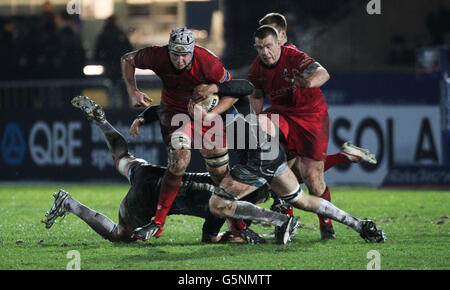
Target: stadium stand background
(388,90)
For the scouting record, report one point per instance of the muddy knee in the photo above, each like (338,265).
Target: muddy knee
(315,183)
(179,154)
(124,163)
(312,173)
(178,161)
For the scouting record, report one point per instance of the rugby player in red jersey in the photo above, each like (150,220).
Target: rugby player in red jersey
(348,152)
(292,81)
(181,65)
(278,21)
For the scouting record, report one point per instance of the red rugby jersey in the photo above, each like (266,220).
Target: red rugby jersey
(178,86)
(282,94)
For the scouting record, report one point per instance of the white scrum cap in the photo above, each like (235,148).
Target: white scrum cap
(181,40)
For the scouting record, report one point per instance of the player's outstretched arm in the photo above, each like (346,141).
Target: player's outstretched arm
(313,76)
(138,98)
(150,114)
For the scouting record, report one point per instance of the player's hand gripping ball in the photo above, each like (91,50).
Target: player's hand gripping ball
(209,103)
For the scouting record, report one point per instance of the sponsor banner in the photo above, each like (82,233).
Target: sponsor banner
(418,175)
(397,135)
(56,145)
(445,113)
(383,88)
(52,145)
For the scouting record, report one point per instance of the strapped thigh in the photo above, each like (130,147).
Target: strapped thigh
(217,160)
(293,196)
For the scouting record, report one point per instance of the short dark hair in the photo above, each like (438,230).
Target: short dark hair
(275,19)
(264,31)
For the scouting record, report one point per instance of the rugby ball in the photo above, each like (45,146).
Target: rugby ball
(209,103)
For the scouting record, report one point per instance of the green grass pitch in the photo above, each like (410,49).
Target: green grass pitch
(415,222)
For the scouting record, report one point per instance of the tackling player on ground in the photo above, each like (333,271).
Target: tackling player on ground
(139,205)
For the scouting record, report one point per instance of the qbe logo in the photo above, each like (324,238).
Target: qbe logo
(13,145)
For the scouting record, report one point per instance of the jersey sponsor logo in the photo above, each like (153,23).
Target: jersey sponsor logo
(285,74)
(281,92)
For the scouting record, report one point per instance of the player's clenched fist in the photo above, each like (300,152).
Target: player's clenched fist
(299,80)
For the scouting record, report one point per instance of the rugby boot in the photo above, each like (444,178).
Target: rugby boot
(371,233)
(57,208)
(252,237)
(146,232)
(283,233)
(90,108)
(357,154)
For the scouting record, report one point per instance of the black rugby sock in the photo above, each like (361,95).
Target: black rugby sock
(117,144)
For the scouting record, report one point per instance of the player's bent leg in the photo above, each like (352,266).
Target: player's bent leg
(237,226)
(235,189)
(64,204)
(366,228)
(286,188)
(312,172)
(123,232)
(222,207)
(278,204)
(116,143)
(178,151)
(224,204)
(124,163)
(284,184)
(178,160)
